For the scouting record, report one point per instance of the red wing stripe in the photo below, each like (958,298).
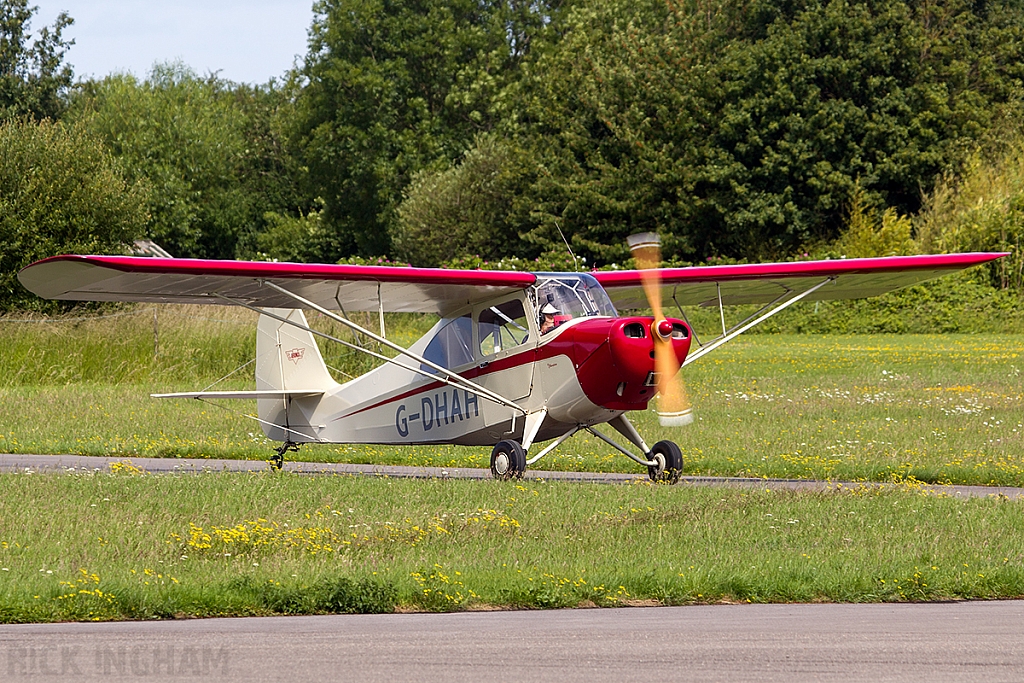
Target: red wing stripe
(313,271)
(757,271)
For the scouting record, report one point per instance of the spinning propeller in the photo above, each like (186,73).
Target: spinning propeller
(674,408)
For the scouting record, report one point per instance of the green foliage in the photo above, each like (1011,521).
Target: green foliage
(270,174)
(393,88)
(33,77)
(291,238)
(329,595)
(60,192)
(871,233)
(372,261)
(473,134)
(463,210)
(558,262)
(585,111)
(746,130)
(981,209)
(209,152)
(963,302)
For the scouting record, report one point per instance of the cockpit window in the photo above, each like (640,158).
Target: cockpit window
(502,327)
(560,297)
(452,346)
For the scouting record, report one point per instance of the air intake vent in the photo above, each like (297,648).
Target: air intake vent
(634,331)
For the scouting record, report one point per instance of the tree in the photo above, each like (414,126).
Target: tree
(462,211)
(60,192)
(393,87)
(33,76)
(270,174)
(745,128)
(209,150)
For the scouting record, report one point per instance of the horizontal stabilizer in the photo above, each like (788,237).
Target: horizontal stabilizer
(282,394)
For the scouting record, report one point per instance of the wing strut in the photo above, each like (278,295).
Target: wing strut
(757,321)
(447,377)
(380,310)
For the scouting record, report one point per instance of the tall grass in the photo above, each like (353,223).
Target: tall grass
(981,209)
(161,345)
(125,345)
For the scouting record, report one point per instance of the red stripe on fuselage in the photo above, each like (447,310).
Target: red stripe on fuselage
(577,347)
(548,349)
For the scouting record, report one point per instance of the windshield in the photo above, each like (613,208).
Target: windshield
(560,297)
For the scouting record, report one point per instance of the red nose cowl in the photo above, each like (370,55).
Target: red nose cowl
(614,358)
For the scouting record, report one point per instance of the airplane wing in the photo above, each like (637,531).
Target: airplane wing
(763,283)
(197,281)
(432,290)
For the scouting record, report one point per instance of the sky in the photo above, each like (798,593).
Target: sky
(247,41)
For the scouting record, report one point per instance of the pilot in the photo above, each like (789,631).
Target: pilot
(548,314)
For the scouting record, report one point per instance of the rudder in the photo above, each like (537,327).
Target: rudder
(288,358)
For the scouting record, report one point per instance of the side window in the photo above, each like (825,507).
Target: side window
(452,346)
(502,327)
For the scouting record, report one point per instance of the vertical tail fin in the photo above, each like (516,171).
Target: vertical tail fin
(287,358)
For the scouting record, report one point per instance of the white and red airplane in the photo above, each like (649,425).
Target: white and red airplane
(516,358)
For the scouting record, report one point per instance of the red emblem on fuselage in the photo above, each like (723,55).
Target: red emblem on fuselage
(294,355)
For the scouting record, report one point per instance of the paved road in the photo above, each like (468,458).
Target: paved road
(39,463)
(975,641)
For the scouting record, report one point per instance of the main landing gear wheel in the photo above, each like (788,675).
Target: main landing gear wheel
(670,462)
(508,460)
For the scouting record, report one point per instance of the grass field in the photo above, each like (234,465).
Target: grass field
(120,544)
(125,545)
(939,408)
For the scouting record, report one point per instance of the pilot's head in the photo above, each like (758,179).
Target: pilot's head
(547,321)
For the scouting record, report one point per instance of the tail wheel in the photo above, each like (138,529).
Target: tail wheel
(508,460)
(277,459)
(670,462)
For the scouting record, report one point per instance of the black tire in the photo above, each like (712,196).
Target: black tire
(508,460)
(670,462)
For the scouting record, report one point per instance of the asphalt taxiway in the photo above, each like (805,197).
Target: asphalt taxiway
(968,641)
(68,463)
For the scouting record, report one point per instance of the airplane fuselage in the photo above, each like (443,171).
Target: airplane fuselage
(586,372)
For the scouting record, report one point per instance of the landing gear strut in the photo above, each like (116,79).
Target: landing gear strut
(508,460)
(664,462)
(277,459)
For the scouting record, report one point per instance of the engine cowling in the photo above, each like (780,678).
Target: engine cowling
(614,358)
